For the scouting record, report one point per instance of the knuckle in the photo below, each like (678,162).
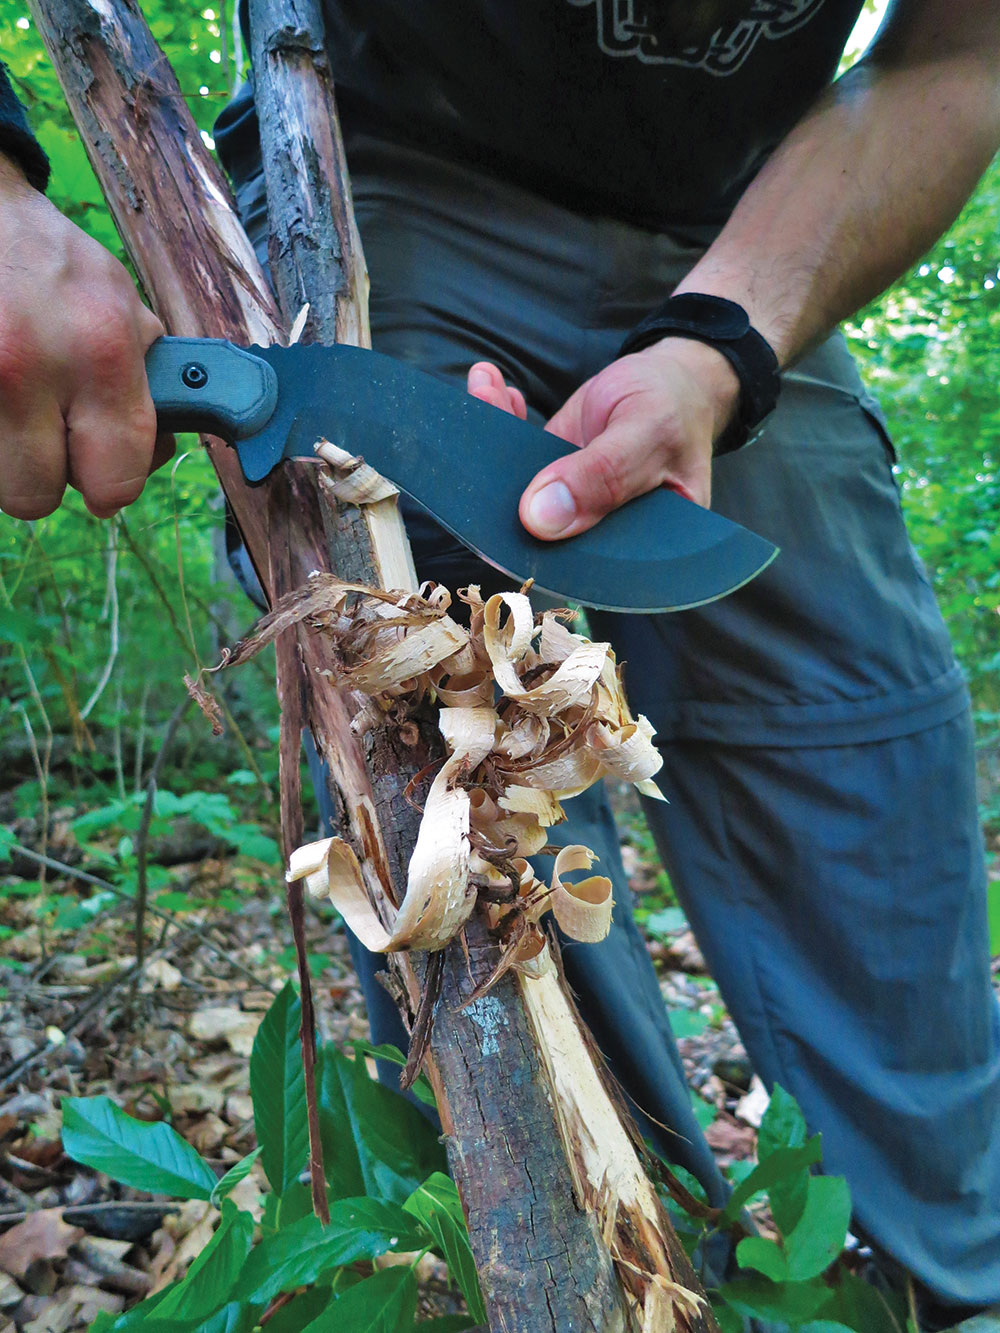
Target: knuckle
(18,364)
(606,478)
(108,495)
(29,507)
(109,352)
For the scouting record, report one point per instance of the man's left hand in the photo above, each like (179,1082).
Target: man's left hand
(647,420)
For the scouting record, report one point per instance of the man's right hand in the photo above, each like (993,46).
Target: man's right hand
(74,403)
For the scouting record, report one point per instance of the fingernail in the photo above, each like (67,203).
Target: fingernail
(479,378)
(552,509)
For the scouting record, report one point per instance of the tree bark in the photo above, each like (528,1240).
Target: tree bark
(566,1229)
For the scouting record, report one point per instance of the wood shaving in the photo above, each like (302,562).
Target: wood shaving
(532,714)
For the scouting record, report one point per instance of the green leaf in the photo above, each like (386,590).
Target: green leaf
(764,1255)
(820,1233)
(138,1317)
(858,1305)
(250,841)
(208,1283)
(373,1131)
(783,1125)
(825,1326)
(393,1055)
(780,1165)
(145,1318)
(383,1303)
(437,1205)
(784,1302)
(292,1206)
(727,1318)
(665,923)
(704,1112)
(277,1086)
(300,1311)
(96,820)
(688,1022)
(148,1157)
(234,1175)
(993,905)
(341,1162)
(17,627)
(299,1254)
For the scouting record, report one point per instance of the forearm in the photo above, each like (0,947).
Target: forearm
(861,188)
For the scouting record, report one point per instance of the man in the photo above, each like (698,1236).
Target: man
(531,180)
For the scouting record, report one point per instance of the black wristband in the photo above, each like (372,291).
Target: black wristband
(725,326)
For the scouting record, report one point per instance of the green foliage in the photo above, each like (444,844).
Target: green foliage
(437,1205)
(386,1302)
(930,348)
(392,1148)
(148,1157)
(386,1189)
(796,1279)
(67,582)
(277,1086)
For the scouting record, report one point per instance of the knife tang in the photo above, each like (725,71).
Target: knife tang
(205,384)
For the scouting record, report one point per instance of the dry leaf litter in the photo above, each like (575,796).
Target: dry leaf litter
(532,713)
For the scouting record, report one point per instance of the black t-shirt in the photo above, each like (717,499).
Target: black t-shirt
(610,106)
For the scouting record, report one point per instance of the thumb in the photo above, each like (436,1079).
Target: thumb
(576,491)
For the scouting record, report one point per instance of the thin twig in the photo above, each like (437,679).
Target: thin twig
(223,949)
(292,830)
(142,836)
(42,764)
(420,1037)
(149,563)
(192,642)
(40,771)
(89,1209)
(187,643)
(11,1073)
(140,743)
(110,607)
(116,743)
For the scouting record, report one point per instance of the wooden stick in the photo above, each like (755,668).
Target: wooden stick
(550,1229)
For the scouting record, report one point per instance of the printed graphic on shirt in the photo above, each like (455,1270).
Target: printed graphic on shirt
(625,28)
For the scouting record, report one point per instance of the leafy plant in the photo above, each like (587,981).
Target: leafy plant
(387,1190)
(798,1278)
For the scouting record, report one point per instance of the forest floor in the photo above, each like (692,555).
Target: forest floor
(171,1040)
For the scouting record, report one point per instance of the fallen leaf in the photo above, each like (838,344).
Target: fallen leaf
(730,1140)
(247,1194)
(42,1235)
(239,1108)
(193,1226)
(196,1097)
(227,1023)
(207,1134)
(163,974)
(10,1293)
(750,1109)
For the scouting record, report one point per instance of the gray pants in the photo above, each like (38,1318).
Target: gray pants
(821,832)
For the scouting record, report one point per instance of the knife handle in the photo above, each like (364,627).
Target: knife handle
(206,384)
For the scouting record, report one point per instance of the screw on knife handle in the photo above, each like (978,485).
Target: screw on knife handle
(205,384)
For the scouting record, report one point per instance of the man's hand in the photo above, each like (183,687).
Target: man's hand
(74,404)
(647,420)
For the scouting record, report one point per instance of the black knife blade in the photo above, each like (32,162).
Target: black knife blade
(464,461)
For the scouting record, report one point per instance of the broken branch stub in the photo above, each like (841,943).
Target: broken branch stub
(535,698)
